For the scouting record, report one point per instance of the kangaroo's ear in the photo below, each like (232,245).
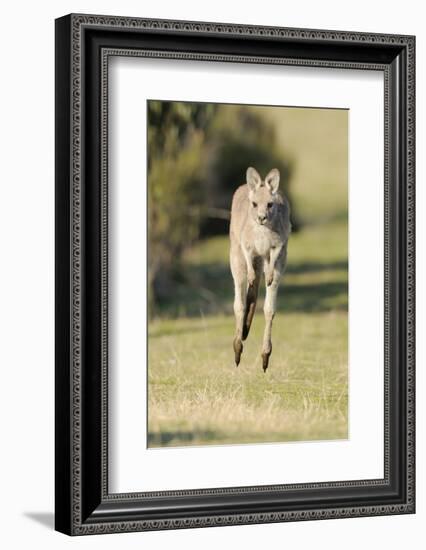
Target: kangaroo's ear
(272,180)
(253,178)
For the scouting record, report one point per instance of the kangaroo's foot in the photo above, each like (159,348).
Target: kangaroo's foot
(265,360)
(238,350)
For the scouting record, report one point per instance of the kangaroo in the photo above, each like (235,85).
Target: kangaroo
(259,231)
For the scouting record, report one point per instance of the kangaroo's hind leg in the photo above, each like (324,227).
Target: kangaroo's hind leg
(270,307)
(239,274)
(251,299)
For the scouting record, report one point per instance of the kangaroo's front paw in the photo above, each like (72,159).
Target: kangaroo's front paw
(251,277)
(269,277)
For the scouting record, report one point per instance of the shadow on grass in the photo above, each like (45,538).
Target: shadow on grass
(318,297)
(316,267)
(201,438)
(174,330)
(177,438)
(208,290)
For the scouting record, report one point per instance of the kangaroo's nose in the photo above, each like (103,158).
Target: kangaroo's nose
(261,218)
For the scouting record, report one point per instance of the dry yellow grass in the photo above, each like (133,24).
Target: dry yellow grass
(198,396)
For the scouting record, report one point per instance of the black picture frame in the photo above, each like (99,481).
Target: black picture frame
(83,45)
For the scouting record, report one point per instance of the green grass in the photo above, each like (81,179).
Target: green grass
(196,394)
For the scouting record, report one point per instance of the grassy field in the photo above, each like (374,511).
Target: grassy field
(197,395)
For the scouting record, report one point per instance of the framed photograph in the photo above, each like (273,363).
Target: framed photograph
(234,274)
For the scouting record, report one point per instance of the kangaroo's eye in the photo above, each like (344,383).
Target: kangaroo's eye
(254,204)
(270,204)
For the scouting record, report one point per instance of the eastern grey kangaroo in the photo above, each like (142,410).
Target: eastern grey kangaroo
(259,231)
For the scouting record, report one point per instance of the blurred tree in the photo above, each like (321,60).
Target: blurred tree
(177,158)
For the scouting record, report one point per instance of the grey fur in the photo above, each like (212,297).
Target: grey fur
(259,232)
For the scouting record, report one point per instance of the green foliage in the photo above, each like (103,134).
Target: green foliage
(177,157)
(172,125)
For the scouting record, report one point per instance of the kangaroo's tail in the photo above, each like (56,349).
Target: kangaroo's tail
(251,300)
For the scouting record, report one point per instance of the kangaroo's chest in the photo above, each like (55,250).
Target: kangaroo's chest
(263,241)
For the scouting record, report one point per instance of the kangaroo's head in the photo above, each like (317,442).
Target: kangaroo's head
(262,195)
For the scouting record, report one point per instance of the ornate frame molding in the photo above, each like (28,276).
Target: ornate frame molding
(72,48)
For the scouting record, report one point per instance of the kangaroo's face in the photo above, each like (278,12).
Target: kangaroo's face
(262,195)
